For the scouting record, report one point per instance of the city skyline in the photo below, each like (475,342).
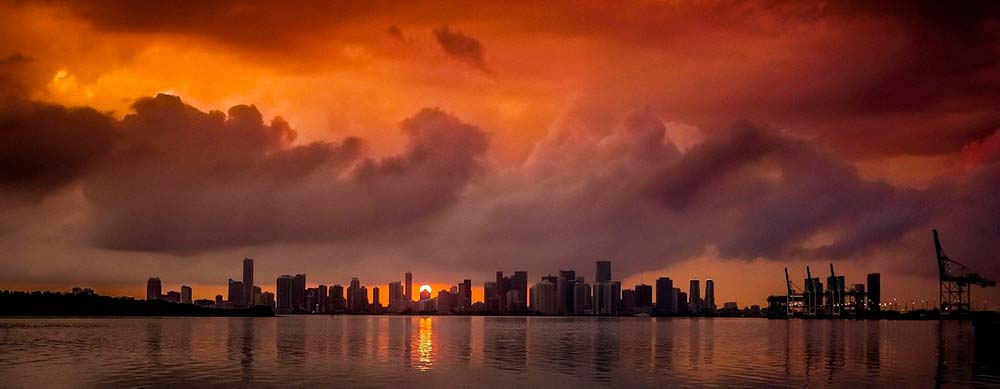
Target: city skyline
(685,139)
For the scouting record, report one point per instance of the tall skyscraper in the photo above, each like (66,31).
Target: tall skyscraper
(376,300)
(299,291)
(710,295)
(874,292)
(581,296)
(467,297)
(248,281)
(664,300)
(603,271)
(409,288)
(682,301)
(186,294)
(323,296)
(643,296)
(154,289)
(284,293)
(695,295)
(567,291)
(543,298)
(396,297)
(520,283)
(607,298)
(337,297)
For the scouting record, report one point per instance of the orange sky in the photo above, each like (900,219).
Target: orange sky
(894,102)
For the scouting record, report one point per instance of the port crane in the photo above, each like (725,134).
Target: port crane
(956,282)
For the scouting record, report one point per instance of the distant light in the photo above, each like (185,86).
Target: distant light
(425,287)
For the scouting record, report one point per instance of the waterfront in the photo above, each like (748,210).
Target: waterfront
(441,351)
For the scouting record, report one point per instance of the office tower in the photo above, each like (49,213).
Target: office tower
(566,290)
(607,297)
(299,291)
(257,296)
(248,281)
(710,295)
(312,299)
(267,299)
(283,289)
(664,289)
(173,296)
(153,288)
(185,294)
(581,295)
(337,297)
(396,296)
(490,299)
(643,296)
(467,297)
(695,294)
(353,296)
(543,297)
(322,296)
(520,283)
(444,301)
(218,300)
(874,292)
(628,302)
(408,292)
(376,300)
(603,271)
(235,293)
(682,301)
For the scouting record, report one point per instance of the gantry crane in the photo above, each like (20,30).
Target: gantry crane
(956,282)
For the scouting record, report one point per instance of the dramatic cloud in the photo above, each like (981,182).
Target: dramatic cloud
(44,147)
(462,48)
(186,180)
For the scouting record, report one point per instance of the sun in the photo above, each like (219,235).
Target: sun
(425,287)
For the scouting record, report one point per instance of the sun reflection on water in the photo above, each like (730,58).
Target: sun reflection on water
(425,349)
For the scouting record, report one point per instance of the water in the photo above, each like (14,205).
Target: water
(373,351)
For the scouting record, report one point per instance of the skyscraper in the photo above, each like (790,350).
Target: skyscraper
(695,295)
(337,297)
(581,296)
(520,283)
(396,297)
(408,292)
(284,293)
(543,298)
(682,301)
(565,288)
(710,295)
(603,271)
(185,294)
(643,296)
(664,300)
(874,292)
(299,291)
(248,281)
(323,297)
(467,297)
(607,298)
(154,289)
(376,300)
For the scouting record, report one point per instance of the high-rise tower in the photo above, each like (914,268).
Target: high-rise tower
(248,281)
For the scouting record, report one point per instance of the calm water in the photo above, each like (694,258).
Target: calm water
(352,351)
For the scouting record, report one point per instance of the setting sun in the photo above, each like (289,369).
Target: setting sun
(425,287)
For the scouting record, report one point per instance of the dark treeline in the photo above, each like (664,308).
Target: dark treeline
(15,303)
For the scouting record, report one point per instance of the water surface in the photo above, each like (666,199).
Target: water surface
(371,351)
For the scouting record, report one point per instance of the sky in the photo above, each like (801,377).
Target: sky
(722,140)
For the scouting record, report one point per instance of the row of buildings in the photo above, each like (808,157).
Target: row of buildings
(565,294)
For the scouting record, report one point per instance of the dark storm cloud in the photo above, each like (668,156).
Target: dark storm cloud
(186,180)
(44,147)
(462,48)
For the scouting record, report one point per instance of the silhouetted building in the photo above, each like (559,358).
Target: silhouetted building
(173,296)
(256,292)
(154,289)
(337,298)
(664,299)
(299,292)
(643,296)
(444,301)
(218,300)
(874,292)
(465,292)
(248,281)
(566,290)
(323,305)
(543,297)
(236,293)
(408,292)
(519,283)
(695,294)
(491,299)
(607,298)
(283,291)
(267,299)
(682,301)
(581,296)
(710,295)
(396,297)
(186,294)
(628,302)
(357,297)
(376,299)
(603,271)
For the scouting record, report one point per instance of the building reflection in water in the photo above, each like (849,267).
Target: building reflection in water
(873,354)
(505,343)
(835,359)
(606,348)
(240,344)
(154,342)
(425,344)
(290,342)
